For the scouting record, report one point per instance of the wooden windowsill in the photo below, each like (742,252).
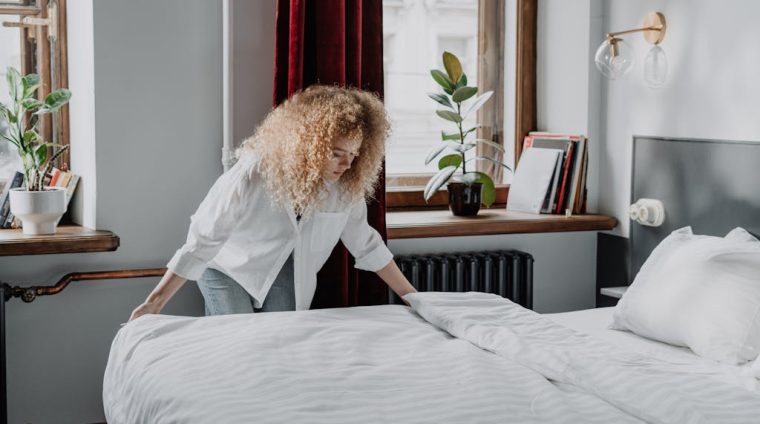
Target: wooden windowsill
(68,239)
(441,223)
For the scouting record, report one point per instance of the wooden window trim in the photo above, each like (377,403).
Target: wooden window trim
(405,191)
(52,78)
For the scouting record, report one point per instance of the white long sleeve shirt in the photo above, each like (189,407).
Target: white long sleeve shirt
(238,230)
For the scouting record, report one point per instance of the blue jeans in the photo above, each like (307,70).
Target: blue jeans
(223,295)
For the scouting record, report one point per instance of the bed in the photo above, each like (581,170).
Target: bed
(449,357)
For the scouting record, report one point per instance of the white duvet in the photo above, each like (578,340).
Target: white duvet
(452,358)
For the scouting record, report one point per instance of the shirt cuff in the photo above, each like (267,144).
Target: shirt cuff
(375,260)
(187,266)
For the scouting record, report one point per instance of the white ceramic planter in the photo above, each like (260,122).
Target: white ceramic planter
(39,211)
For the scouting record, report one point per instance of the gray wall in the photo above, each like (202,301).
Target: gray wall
(157,101)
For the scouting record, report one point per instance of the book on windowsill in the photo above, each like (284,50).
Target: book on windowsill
(571,189)
(6,217)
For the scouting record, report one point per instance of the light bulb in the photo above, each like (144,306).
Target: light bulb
(655,67)
(614,59)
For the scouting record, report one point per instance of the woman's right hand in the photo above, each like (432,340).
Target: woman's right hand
(160,295)
(145,308)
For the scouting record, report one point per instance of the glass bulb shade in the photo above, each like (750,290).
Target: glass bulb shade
(614,59)
(655,67)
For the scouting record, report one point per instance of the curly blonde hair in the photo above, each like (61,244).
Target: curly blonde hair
(295,142)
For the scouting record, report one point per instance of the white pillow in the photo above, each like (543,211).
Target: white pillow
(701,292)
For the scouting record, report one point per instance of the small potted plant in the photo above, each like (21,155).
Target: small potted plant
(468,190)
(38,207)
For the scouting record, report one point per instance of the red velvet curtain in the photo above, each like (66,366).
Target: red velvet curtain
(335,42)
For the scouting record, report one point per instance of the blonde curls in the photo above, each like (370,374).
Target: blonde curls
(295,141)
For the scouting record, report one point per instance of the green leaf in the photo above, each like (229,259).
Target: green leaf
(478,102)
(30,136)
(450,160)
(55,100)
(462,81)
(437,181)
(13,77)
(435,151)
(452,65)
(442,99)
(40,154)
(442,80)
(488,159)
(488,193)
(463,93)
(452,136)
(490,143)
(449,115)
(30,83)
(31,104)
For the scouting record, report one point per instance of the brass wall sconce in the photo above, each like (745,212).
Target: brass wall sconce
(614,58)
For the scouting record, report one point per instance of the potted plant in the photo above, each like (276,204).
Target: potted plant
(468,190)
(38,207)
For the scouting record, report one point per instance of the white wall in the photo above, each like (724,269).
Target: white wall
(712,90)
(158,133)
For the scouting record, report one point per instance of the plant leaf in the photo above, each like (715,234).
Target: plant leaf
(463,93)
(437,181)
(435,151)
(452,136)
(40,154)
(442,80)
(452,65)
(449,115)
(30,136)
(450,160)
(490,143)
(488,193)
(460,147)
(13,77)
(30,83)
(442,99)
(55,100)
(488,159)
(31,104)
(462,81)
(478,102)
(11,140)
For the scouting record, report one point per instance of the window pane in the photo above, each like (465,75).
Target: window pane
(416,33)
(10,55)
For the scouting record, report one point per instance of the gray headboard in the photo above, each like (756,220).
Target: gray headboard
(712,185)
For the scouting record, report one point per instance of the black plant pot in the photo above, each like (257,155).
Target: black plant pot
(464,200)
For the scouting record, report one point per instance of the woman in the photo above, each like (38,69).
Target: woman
(268,224)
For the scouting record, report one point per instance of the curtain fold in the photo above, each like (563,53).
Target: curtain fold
(335,42)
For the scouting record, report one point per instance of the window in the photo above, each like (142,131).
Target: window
(33,39)
(415,34)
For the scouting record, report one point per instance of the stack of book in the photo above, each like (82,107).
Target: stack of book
(57,178)
(567,187)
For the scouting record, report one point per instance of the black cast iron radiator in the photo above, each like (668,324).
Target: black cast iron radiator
(508,273)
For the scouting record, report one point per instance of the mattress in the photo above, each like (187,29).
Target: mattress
(450,358)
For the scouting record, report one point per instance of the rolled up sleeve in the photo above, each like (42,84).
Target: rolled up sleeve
(364,242)
(213,222)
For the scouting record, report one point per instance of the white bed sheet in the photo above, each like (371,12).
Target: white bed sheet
(595,322)
(455,358)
